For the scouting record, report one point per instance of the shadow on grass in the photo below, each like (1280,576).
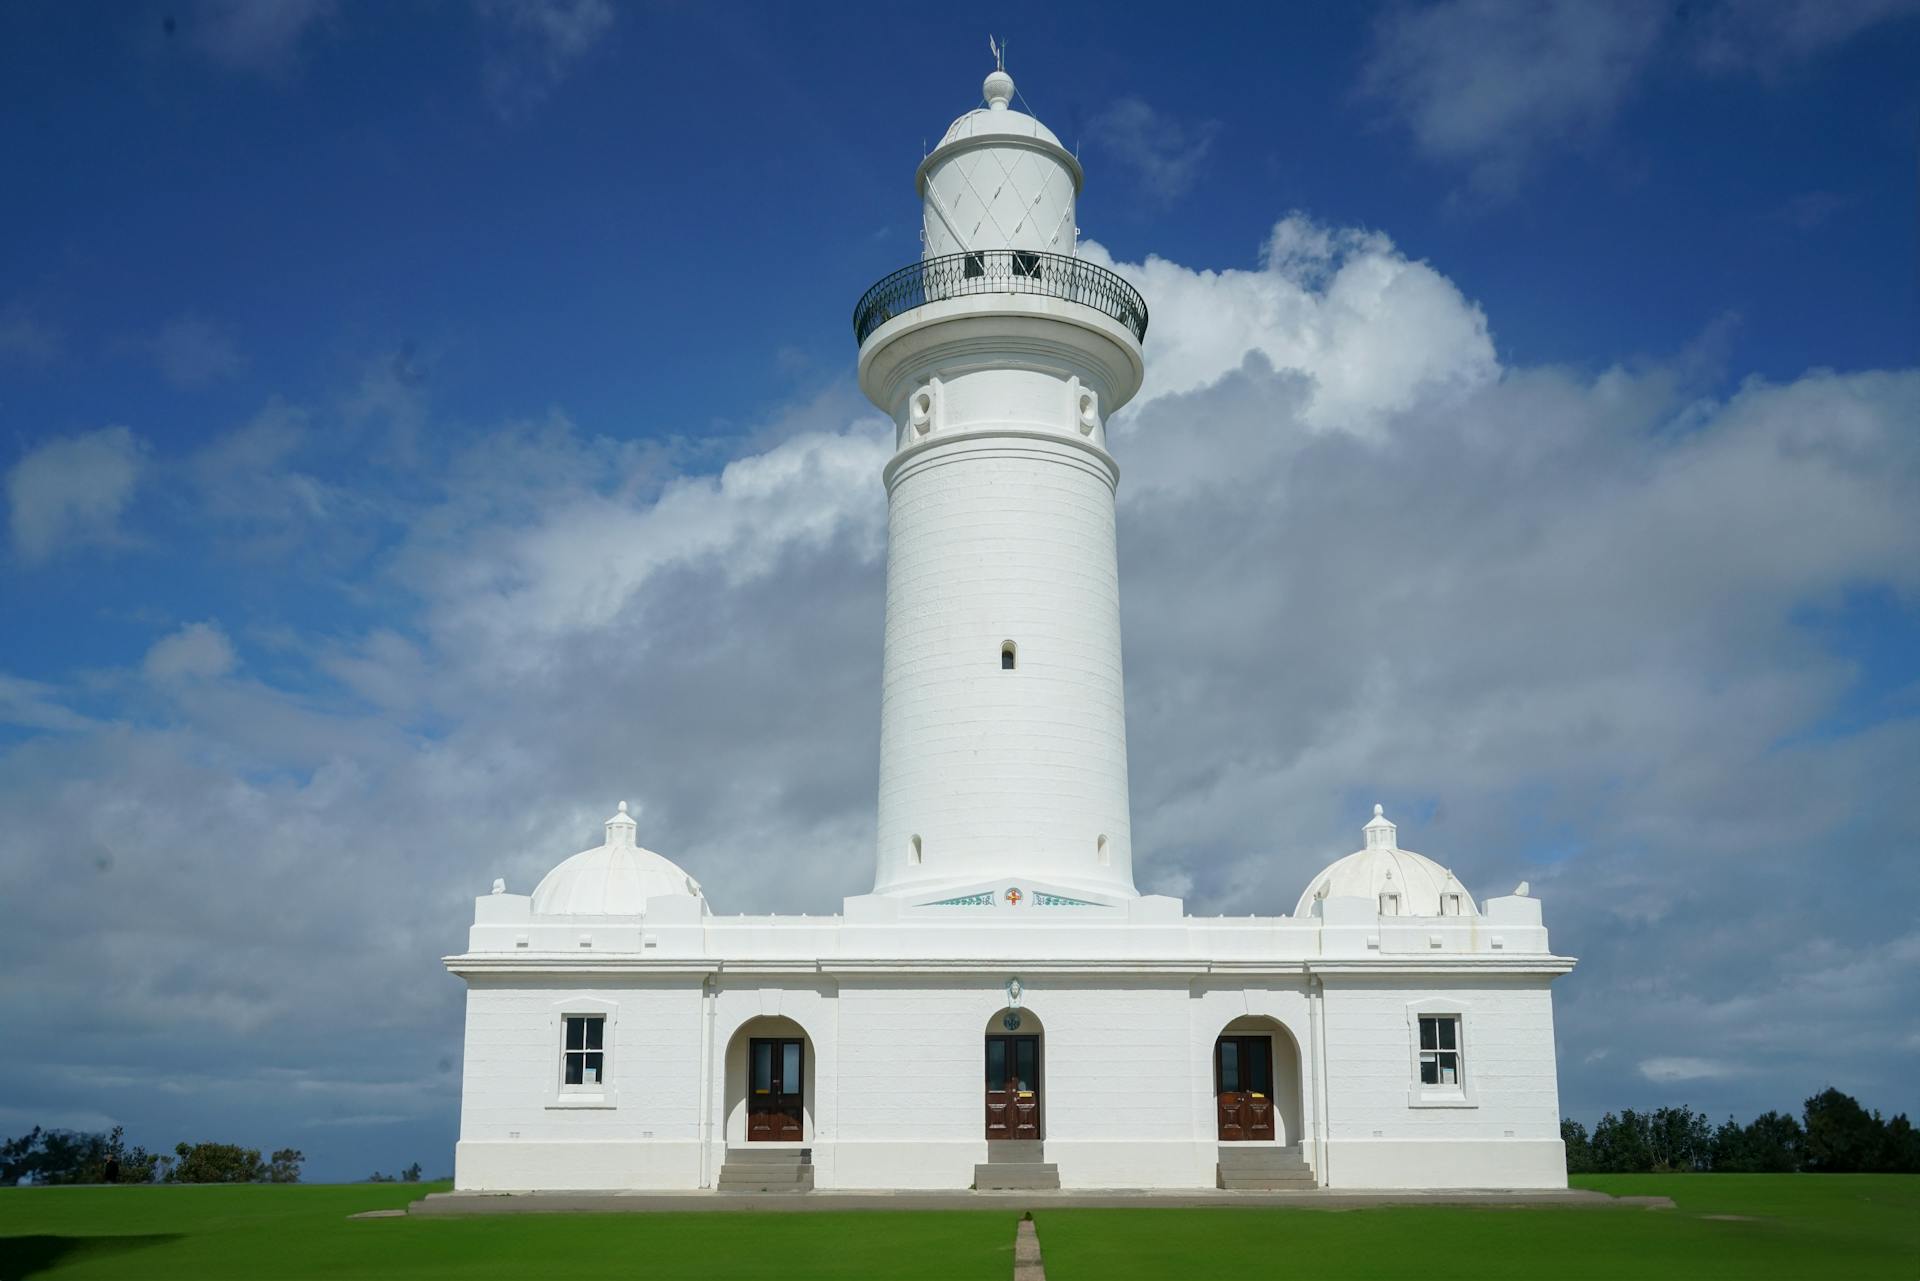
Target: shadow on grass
(32,1256)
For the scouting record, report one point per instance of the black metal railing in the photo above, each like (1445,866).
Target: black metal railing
(1000,271)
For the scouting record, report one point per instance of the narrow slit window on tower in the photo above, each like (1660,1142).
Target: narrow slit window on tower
(914,854)
(1007,656)
(1100,851)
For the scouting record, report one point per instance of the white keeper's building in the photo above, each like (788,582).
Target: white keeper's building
(1005,1009)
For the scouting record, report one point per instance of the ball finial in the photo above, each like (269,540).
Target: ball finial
(1379,811)
(623,807)
(998,90)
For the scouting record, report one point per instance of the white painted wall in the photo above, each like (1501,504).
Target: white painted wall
(1002,774)
(895,1079)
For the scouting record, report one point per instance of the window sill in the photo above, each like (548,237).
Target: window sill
(603,1102)
(1422,1097)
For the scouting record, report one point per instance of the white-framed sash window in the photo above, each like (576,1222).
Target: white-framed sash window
(1440,1050)
(1440,1064)
(584,1069)
(583,1060)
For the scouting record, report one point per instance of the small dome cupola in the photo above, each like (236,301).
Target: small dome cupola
(1401,882)
(1381,832)
(614,879)
(621,829)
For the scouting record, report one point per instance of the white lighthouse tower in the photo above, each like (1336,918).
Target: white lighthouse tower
(999,356)
(1005,1010)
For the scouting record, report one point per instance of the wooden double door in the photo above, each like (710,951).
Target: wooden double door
(1243,1085)
(776,1089)
(1013,1087)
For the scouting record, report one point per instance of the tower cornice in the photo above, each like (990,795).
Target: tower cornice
(1000,331)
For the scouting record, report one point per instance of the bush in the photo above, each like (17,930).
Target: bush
(216,1163)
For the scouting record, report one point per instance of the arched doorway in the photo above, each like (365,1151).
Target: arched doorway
(1014,1059)
(1256,1082)
(770,1095)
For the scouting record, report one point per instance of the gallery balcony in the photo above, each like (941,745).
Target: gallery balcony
(1001,271)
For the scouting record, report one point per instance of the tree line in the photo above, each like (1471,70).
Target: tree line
(1833,1135)
(70,1156)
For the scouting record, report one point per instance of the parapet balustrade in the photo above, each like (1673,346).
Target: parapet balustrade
(1000,271)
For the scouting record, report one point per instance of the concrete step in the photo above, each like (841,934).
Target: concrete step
(1243,1157)
(1008,1176)
(769,1156)
(1015,1151)
(762,1173)
(1266,1183)
(1260,1167)
(756,1169)
(757,1176)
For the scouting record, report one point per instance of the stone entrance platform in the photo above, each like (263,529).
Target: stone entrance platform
(459,1203)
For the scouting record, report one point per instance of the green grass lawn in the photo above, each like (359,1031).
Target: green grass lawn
(1792,1226)
(268,1233)
(1798,1226)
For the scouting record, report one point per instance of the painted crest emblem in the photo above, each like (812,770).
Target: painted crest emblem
(1014,896)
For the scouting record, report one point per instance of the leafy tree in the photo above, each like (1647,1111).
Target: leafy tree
(411,1174)
(1679,1139)
(216,1163)
(377,1177)
(1774,1143)
(69,1156)
(1579,1147)
(284,1166)
(1622,1144)
(1903,1147)
(18,1157)
(1842,1136)
(1839,1135)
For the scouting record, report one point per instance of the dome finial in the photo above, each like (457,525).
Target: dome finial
(1379,810)
(998,90)
(623,808)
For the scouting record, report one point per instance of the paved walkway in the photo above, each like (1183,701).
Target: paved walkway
(451,1203)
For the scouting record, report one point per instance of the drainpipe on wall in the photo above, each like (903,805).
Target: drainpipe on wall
(1322,1103)
(706,1081)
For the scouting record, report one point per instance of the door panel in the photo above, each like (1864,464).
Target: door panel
(776,1084)
(1243,1084)
(1013,1087)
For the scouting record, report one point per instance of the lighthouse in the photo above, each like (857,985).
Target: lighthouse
(1005,1010)
(1000,356)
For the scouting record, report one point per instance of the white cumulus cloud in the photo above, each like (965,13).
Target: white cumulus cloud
(69,493)
(198,651)
(1561,624)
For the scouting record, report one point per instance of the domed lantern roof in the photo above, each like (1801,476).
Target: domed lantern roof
(998,181)
(1402,882)
(998,119)
(614,879)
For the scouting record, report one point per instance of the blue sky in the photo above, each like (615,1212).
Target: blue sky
(386,390)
